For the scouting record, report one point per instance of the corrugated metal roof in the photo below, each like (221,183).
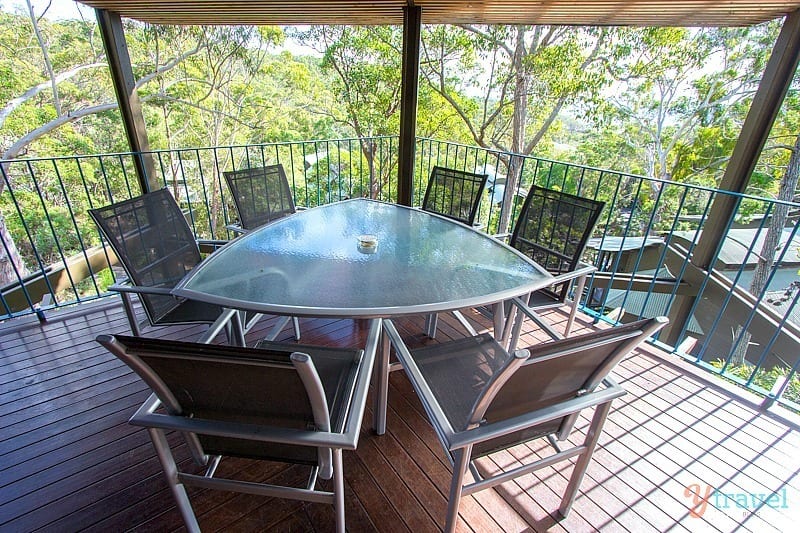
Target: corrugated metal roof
(638,304)
(742,246)
(369,12)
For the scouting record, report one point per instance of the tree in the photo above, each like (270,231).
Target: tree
(522,78)
(364,67)
(28,72)
(680,100)
(58,99)
(204,100)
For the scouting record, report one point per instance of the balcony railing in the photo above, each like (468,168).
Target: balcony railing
(642,246)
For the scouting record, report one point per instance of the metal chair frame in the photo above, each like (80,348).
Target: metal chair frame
(455,194)
(261,195)
(210,429)
(153,227)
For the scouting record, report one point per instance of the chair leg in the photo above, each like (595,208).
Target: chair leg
(592,436)
(464,323)
(127,305)
(502,317)
(237,329)
(296,324)
(171,472)
(460,464)
(382,385)
(224,322)
(338,489)
(431,322)
(580,283)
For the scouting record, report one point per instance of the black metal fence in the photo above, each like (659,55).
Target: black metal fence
(721,319)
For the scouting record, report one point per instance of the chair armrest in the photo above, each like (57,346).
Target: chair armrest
(486,432)
(582,270)
(136,289)
(501,236)
(211,245)
(236,228)
(146,417)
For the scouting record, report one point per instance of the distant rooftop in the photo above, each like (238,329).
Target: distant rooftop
(739,247)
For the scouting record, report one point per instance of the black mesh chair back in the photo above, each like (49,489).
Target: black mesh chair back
(264,403)
(153,242)
(261,195)
(552,228)
(455,194)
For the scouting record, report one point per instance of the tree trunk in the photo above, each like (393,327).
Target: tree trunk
(771,245)
(11,265)
(46,56)
(368,149)
(518,121)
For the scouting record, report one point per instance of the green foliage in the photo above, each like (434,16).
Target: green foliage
(362,65)
(666,102)
(89,286)
(764,379)
(506,82)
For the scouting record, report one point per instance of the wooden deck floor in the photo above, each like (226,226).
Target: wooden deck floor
(69,461)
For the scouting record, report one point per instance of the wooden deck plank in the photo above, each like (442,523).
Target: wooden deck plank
(688,399)
(698,430)
(69,461)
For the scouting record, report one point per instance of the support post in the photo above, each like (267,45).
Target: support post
(412,28)
(757,126)
(119,63)
(767,101)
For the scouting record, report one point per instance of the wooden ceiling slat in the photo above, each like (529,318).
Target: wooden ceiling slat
(572,12)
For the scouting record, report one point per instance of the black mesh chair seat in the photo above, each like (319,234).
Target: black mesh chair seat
(278,402)
(188,311)
(458,371)
(481,399)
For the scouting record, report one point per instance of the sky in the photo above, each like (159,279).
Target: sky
(69,9)
(59,9)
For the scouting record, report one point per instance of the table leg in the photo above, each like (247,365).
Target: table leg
(381,386)
(499,315)
(431,322)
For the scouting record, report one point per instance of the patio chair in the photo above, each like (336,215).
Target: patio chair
(261,195)
(155,245)
(552,229)
(284,403)
(481,399)
(455,194)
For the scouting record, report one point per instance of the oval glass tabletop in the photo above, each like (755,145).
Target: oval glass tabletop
(362,258)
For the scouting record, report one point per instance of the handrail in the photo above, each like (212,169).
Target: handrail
(44,203)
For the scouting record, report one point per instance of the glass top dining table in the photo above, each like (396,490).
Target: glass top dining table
(319,263)
(364,259)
